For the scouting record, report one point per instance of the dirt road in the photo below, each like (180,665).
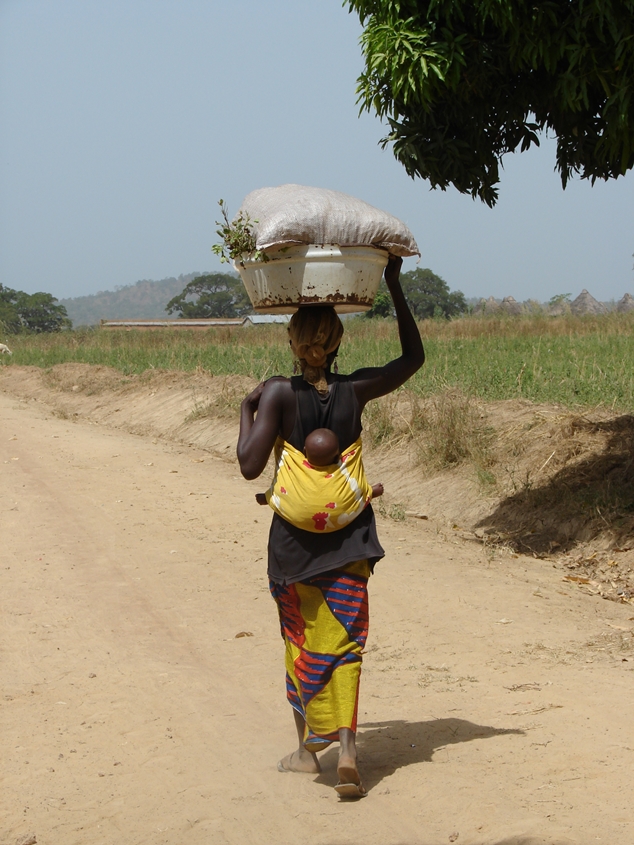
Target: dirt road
(496,704)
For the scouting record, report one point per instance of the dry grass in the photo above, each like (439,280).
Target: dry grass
(530,325)
(225,404)
(560,479)
(450,429)
(444,430)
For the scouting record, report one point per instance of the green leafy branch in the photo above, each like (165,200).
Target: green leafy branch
(237,236)
(462,83)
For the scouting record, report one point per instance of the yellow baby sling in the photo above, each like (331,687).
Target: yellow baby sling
(318,499)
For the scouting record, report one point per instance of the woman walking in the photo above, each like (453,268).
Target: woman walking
(319,580)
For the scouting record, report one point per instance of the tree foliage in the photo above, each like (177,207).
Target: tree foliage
(560,299)
(35,312)
(462,82)
(382,305)
(428,295)
(9,317)
(213,295)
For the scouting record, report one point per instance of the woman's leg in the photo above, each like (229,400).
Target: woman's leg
(300,760)
(347,765)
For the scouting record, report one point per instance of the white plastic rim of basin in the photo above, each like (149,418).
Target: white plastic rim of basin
(347,277)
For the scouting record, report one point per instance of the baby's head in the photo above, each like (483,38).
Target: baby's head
(321,447)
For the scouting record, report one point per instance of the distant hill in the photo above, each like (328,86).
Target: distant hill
(145,300)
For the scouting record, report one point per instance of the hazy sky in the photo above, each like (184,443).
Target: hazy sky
(123,122)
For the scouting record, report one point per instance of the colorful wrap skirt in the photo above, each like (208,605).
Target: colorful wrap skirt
(324,623)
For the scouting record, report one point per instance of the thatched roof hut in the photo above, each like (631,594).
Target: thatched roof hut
(487,306)
(585,303)
(511,306)
(626,304)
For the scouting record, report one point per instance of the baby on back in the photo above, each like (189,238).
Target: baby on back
(321,448)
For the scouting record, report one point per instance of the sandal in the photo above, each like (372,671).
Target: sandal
(350,790)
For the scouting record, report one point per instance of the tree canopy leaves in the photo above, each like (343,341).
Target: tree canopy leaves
(382,305)
(9,317)
(462,82)
(213,295)
(35,312)
(428,295)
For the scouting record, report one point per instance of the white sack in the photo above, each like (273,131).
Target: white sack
(294,214)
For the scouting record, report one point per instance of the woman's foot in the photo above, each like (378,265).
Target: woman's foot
(300,761)
(349,785)
(347,770)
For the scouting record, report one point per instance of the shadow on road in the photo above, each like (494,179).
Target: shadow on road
(587,497)
(385,747)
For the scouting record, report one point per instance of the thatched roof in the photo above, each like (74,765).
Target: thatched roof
(585,303)
(511,306)
(487,306)
(626,304)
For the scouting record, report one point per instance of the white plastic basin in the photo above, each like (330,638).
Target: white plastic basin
(347,277)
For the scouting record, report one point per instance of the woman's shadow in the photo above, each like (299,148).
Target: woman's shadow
(385,747)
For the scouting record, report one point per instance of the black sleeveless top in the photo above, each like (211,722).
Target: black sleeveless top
(297,555)
(338,411)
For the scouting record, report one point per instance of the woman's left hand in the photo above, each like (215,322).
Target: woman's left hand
(253,399)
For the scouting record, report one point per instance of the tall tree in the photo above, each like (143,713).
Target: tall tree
(32,312)
(428,295)
(462,82)
(382,305)
(213,295)
(39,312)
(9,317)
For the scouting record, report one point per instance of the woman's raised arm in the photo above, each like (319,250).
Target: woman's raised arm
(372,382)
(258,434)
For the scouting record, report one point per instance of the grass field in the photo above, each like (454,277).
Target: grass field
(582,361)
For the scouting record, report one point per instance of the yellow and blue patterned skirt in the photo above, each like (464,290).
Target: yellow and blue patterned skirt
(324,623)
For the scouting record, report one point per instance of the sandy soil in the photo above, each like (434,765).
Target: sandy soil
(496,706)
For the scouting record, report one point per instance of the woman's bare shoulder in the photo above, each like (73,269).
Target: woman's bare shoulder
(276,382)
(277,387)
